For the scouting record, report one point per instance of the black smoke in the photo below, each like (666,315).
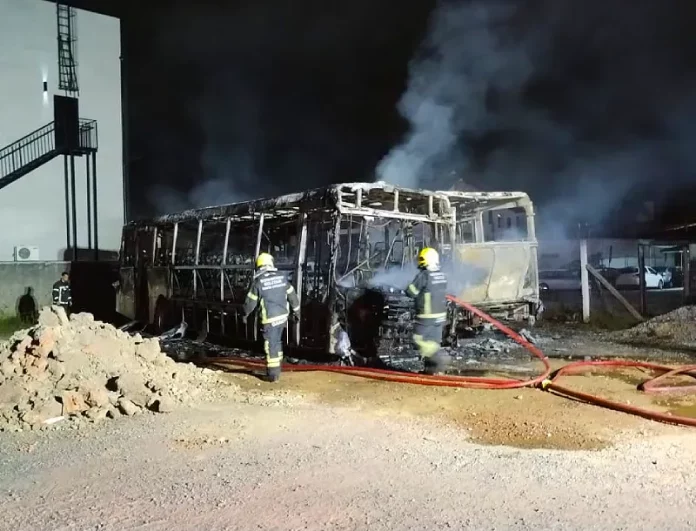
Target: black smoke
(577,103)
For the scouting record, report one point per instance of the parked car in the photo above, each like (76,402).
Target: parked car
(668,275)
(610,274)
(630,278)
(559,279)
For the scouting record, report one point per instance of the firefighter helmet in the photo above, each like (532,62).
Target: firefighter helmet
(264,260)
(428,258)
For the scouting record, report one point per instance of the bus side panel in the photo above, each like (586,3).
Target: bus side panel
(157,286)
(125,300)
(497,272)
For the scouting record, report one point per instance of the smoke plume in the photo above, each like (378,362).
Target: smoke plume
(576,103)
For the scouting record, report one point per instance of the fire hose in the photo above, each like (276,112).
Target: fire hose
(545,381)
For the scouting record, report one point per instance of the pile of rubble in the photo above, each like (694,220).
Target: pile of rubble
(675,329)
(80,369)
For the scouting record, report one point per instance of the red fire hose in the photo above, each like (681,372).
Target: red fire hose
(543,381)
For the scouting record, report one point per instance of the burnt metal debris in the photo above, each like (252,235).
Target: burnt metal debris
(350,251)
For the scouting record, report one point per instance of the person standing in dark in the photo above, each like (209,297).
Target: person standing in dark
(62,295)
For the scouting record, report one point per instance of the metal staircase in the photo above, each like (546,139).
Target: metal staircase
(39,147)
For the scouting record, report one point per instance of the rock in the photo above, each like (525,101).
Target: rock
(113,413)
(10,394)
(127,407)
(47,341)
(62,316)
(97,413)
(133,388)
(24,344)
(56,369)
(162,404)
(41,364)
(73,403)
(7,368)
(149,350)
(82,319)
(95,396)
(48,318)
(49,409)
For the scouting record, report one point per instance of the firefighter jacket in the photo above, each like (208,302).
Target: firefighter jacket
(62,296)
(429,288)
(274,296)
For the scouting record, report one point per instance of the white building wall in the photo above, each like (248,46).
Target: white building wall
(32,210)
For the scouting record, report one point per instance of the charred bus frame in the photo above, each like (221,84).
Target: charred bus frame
(350,250)
(196,265)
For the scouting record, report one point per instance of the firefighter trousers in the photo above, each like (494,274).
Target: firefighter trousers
(427,335)
(273,348)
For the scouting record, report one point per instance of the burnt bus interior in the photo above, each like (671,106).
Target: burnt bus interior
(349,250)
(495,265)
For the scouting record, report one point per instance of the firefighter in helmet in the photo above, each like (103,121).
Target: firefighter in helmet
(429,288)
(274,296)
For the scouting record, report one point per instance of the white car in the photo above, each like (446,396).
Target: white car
(629,278)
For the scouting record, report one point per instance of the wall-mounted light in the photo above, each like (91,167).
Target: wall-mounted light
(45,87)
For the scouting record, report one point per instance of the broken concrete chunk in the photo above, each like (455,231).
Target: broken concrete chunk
(97,413)
(48,318)
(95,396)
(132,387)
(62,316)
(127,407)
(56,368)
(10,394)
(24,344)
(162,404)
(149,350)
(82,319)
(7,368)
(73,403)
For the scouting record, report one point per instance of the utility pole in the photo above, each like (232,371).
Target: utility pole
(584,281)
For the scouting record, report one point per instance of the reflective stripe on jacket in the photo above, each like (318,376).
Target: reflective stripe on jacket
(274,296)
(429,288)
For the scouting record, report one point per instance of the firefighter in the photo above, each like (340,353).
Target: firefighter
(62,294)
(274,296)
(429,288)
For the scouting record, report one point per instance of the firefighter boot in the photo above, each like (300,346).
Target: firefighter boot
(273,374)
(437,363)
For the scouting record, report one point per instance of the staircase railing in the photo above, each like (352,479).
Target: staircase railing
(38,147)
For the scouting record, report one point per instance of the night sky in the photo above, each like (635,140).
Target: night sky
(269,97)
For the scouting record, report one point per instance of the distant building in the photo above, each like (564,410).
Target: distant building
(32,183)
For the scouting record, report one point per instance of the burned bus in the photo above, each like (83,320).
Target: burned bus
(349,249)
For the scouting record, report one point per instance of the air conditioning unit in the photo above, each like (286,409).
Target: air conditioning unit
(26,253)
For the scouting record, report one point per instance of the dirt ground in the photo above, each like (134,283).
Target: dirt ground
(322,451)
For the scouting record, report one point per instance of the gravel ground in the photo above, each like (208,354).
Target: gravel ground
(277,461)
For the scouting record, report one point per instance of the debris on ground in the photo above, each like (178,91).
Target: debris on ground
(676,329)
(70,370)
